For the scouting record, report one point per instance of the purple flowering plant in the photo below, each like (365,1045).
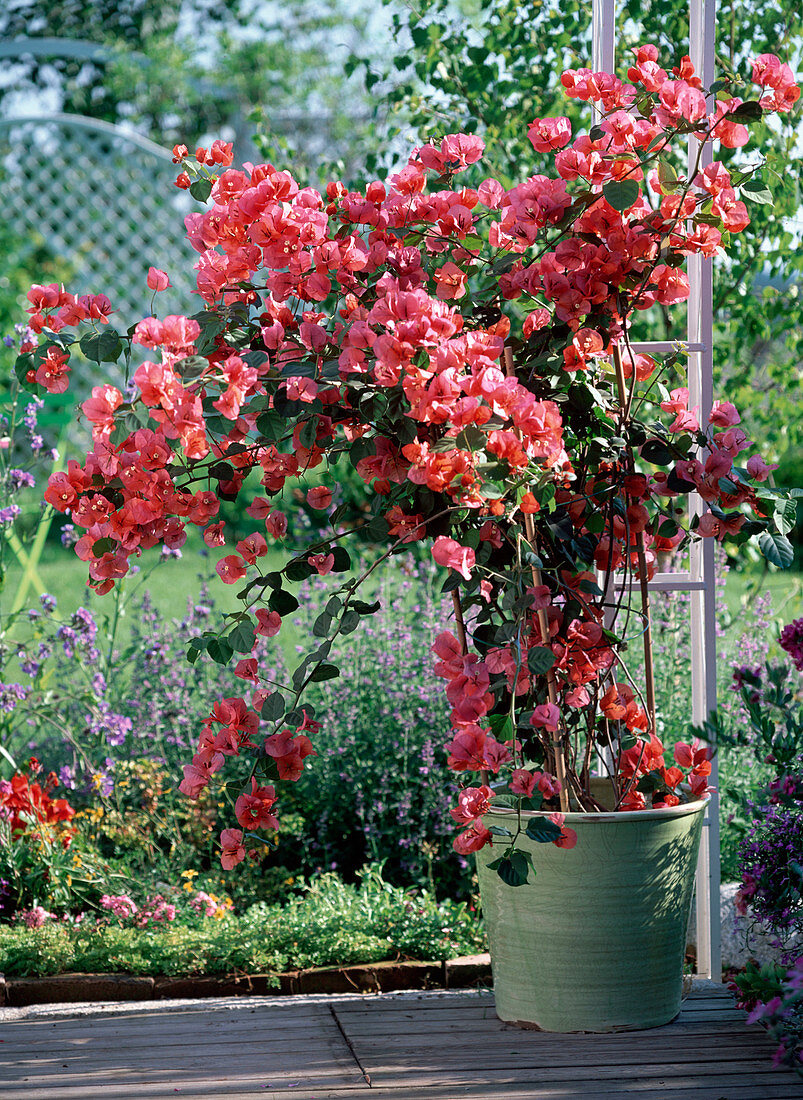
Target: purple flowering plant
(771,854)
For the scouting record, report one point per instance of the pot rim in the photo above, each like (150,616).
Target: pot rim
(575,817)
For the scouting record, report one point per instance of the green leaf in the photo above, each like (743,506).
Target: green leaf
(191,367)
(785,516)
(242,637)
(621,194)
(324,672)
(219,650)
(757,191)
(657,452)
(201,189)
(350,621)
(365,608)
(542,830)
(322,625)
(501,726)
(342,560)
(273,707)
(667,176)
(101,347)
(540,660)
(512,869)
(282,602)
(777,549)
(499,830)
(271,426)
(298,569)
(746,112)
(377,528)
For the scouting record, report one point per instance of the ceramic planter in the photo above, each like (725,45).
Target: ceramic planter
(596,941)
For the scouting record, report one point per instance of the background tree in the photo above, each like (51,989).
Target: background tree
(186,72)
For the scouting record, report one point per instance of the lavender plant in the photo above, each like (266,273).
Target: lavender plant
(377,791)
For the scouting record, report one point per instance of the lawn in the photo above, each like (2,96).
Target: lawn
(172,583)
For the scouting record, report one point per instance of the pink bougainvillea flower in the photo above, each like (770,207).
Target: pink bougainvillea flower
(252,547)
(319,497)
(549,133)
(724,414)
(523,782)
(269,623)
(253,809)
(213,535)
(158,279)
(231,569)
(472,803)
(323,563)
(546,716)
(276,524)
(53,371)
(758,469)
(450,553)
(476,836)
(568,837)
(247,669)
(232,851)
(259,508)
(289,752)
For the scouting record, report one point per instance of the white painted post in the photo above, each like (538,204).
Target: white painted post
(603,39)
(700,320)
(700,581)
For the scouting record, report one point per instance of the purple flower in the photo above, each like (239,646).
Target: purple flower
(67,777)
(9,513)
(792,641)
(48,603)
(19,479)
(10,695)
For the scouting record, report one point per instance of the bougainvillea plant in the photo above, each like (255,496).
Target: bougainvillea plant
(467,351)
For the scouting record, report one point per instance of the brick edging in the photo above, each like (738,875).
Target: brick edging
(470,971)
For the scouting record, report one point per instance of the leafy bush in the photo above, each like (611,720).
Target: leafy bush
(333,923)
(380,790)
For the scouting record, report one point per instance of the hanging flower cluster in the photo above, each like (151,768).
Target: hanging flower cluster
(467,350)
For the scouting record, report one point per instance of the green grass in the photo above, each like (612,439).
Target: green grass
(172,583)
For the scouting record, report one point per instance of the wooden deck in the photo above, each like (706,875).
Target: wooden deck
(428,1046)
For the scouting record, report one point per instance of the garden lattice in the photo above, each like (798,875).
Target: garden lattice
(92,196)
(95,193)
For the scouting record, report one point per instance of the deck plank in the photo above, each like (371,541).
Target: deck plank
(412,1047)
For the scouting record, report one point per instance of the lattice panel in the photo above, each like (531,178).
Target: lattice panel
(103,201)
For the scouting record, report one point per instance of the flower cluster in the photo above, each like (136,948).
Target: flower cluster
(154,910)
(29,806)
(468,350)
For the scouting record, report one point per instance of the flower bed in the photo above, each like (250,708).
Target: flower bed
(332,924)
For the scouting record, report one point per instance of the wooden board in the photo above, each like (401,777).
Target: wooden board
(427,1047)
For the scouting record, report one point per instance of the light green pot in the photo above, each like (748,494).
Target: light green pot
(596,942)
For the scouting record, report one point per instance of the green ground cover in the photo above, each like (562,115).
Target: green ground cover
(331,924)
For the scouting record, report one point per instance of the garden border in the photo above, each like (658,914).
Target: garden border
(465,972)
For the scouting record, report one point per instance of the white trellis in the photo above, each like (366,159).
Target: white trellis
(699,579)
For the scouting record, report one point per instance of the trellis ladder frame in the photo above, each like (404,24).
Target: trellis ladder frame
(700,579)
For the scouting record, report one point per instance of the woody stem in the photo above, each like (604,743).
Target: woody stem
(559,743)
(649,668)
(460,625)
